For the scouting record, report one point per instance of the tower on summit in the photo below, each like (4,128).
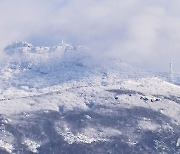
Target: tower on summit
(171,72)
(62,41)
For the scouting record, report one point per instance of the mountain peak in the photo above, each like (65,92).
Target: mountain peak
(17,47)
(19,44)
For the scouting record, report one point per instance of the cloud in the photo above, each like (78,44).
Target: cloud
(143,33)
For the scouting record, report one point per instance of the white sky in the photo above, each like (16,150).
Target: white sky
(144,33)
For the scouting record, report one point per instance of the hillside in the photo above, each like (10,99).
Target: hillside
(62,99)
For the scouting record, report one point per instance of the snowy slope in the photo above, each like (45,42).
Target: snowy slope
(165,76)
(62,100)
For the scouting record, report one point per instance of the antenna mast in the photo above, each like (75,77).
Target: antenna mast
(62,41)
(171,72)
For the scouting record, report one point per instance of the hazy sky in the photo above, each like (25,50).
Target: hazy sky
(144,33)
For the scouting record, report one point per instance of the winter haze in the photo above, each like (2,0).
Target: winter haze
(107,87)
(142,33)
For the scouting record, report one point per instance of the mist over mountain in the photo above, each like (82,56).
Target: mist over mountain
(89,77)
(64,61)
(143,33)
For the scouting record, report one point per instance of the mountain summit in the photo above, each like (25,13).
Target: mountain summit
(59,64)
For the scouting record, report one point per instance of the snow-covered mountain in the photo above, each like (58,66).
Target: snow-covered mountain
(62,99)
(47,66)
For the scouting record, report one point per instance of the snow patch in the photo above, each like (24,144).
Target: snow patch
(31,145)
(86,135)
(6,146)
(148,125)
